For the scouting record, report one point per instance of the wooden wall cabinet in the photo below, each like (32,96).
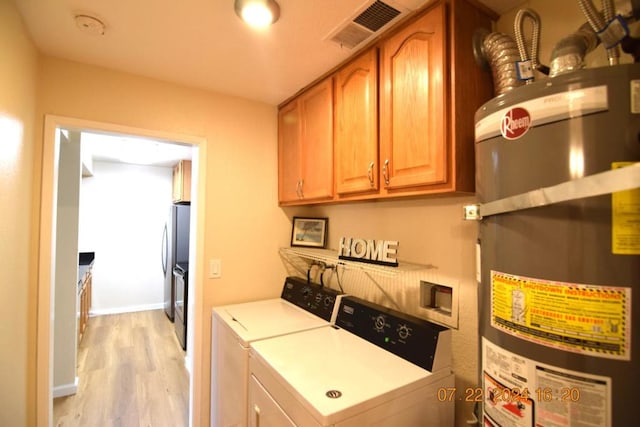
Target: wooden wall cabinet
(413,145)
(404,123)
(356,137)
(182,182)
(430,90)
(305,146)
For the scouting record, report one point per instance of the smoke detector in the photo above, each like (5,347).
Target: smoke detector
(90,24)
(370,19)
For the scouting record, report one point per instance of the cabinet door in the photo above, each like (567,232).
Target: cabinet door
(316,112)
(356,143)
(289,153)
(182,182)
(413,115)
(263,410)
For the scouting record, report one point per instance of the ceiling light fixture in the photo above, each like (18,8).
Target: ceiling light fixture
(257,13)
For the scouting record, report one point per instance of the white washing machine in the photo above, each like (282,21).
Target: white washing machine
(302,306)
(375,367)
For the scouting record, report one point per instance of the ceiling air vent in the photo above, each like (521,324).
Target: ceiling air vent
(370,19)
(376,16)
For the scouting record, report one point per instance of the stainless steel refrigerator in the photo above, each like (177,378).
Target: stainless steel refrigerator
(559,245)
(175,249)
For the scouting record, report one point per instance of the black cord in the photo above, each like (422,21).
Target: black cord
(317,264)
(332,267)
(338,279)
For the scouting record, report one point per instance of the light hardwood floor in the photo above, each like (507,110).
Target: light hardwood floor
(131,373)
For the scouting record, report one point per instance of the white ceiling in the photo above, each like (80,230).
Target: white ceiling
(199,43)
(202,43)
(138,151)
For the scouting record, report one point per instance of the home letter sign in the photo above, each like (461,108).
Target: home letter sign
(372,251)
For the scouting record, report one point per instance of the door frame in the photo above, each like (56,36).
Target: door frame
(46,254)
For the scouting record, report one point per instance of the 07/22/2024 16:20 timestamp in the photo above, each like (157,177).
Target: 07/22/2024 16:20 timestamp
(477,394)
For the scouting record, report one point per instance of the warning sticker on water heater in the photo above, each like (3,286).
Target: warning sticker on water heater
(522,392)
(587,319)
(625,219)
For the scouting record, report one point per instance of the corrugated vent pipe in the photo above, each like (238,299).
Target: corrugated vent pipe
(498,51)
(598,24)
(568,54)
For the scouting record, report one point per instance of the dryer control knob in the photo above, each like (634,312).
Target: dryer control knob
(379,323)
(404,331)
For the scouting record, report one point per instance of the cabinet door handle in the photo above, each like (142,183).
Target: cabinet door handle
(298,189)
(370,174)
(256,413)
(301,195)
(385,172)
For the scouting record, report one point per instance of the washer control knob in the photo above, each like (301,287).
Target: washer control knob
(404,331)
(306,292)
(379,323)
(318,297)
(328,301)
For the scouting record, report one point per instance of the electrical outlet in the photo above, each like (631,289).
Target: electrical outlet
(215,269)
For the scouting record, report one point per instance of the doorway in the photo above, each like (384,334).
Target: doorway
(47,255)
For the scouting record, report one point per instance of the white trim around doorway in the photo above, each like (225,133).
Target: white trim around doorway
(46,253)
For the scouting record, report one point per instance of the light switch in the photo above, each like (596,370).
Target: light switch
(215,269)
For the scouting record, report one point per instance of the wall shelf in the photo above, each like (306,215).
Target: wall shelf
(295,255)
(356,277)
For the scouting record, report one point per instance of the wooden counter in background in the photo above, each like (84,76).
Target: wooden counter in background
(85,304)
(84,290)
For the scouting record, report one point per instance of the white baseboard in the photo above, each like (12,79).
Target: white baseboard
(66,389)
(129,309)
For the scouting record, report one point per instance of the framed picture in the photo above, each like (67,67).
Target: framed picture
(309,232)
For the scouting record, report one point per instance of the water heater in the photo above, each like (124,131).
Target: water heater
(559,250)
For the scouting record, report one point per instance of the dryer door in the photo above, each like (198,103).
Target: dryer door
(263,410)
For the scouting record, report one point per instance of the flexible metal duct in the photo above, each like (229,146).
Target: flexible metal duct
(598,23)
(498,51)
(525,55)
(609,13)
(569,53)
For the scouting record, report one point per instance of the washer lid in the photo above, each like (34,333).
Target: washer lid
(267,318)
(318,365)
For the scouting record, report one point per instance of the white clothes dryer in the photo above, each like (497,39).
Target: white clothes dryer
(302,306)
(376,367)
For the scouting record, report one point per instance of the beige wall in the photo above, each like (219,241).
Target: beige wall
(18,68)
(243,225)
